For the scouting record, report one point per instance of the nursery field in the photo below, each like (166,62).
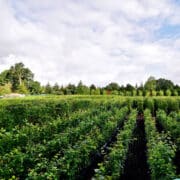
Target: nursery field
(90,137)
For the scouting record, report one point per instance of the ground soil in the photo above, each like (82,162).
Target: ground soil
(136,166)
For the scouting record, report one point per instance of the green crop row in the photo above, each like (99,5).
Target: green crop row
(113,165)
(17,113)
(160,151)
(31,133)
(166,104)
(57,138)
(170,124)
(33,154)
(79,155)
(36,151)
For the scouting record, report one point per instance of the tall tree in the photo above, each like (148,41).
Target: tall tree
(3,77)
(129,87)
(55,88)
(48,89)
(35,87)
(18,74)
(92,86)
(112,86)
(82,89)
(92,89)
(70,89)
(164,84)
(150,83)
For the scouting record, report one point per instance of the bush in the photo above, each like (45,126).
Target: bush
(160,93)
(140,93)
(128,93)
(22,89)
(173,105)
(154,93)
(149,104)
(161,104)
(175,93)
(6,89)
(134,92)
(168,92)
(114,92)
(147,93)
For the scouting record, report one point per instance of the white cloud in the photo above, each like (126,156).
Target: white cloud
(93,41)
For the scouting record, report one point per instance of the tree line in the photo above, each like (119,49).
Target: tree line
(19,79)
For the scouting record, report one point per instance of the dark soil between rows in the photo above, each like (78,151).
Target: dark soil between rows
(136,166)
(88,172)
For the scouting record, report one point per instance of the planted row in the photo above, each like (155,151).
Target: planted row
(36,134)
(79,156)
(113,165)
(161,151)
(154,104)
(170,123)
(17,112)
(29,132)
(33,152)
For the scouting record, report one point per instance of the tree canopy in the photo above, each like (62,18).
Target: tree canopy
(19,78)
(164,84)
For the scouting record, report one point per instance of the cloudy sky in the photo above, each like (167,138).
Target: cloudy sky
(96,41)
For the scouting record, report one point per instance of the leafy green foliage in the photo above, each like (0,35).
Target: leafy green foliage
(113,165)
(78,156)
(170,124)
(18,74)
(82,89)
(5,89)
(161,151)
(150,83)
(168,92)
(163,84)
(22,89)
(149,104)
(59,137)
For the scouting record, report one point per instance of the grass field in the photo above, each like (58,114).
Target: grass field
(90,137)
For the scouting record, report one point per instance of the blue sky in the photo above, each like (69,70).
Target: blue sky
(168,31)
(94,41)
